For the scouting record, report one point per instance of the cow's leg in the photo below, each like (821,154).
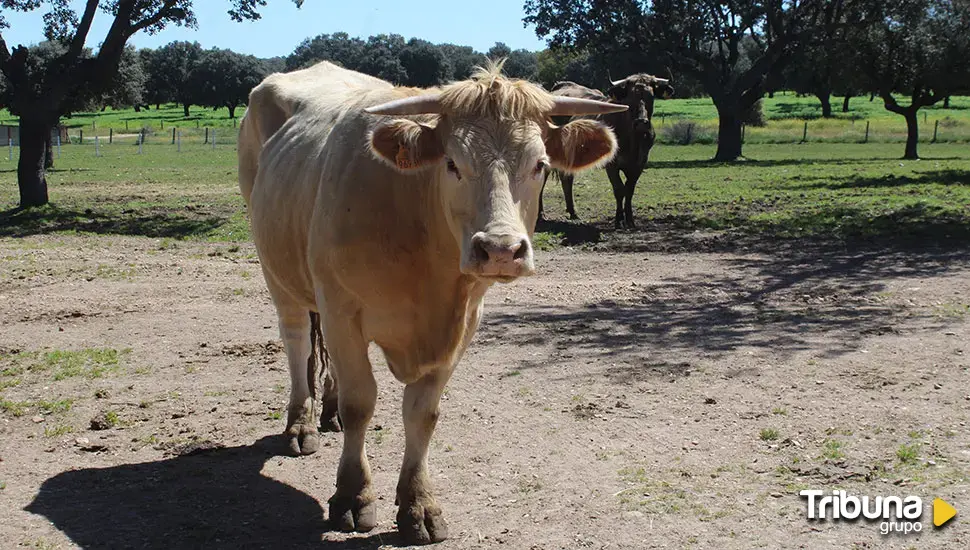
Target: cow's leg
(618,193)
(630,187)
(567,191)
(419,518)
(352,506)
(301,420)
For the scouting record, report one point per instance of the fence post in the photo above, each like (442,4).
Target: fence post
(213,138)
(111,135)
(805,132)
(179,142)
(161,124)
(94,125)
(97,146)
(867,133)
(936,129)
(233,123)
(126,125)
(196,123)
(173,136)
(141,139)
(80,136)
(206,142)
(58,143)
(10,147)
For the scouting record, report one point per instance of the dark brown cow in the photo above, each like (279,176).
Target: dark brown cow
(634,133)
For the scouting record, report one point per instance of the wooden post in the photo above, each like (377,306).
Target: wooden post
(111,135)
(126,125)
(97,147)
(10,148)
(936,130)
(196,123)
(141,139)
(213,139)
(233,123)
(206,142)
(58,143)
(867,133)
(161,124)
(805,132)
(179,144)
(80,136)
(173,136)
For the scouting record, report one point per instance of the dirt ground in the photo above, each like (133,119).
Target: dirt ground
(639,395)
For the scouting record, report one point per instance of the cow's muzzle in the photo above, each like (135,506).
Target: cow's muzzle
(503,257)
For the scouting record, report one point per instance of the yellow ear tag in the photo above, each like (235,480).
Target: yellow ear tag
(403,160)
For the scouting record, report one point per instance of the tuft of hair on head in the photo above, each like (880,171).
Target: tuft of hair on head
(489,93)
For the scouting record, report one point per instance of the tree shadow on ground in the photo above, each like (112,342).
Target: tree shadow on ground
(573,232)
(751,162)
(937,177)
(158,223)
(209,498)
(802,298)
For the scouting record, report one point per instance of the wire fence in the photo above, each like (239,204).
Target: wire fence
(198,138)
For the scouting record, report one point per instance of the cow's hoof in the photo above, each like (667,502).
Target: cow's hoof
(349,514)
(303,439)
(330,421)
(421,523)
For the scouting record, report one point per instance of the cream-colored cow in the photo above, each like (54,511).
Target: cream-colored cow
(392,229)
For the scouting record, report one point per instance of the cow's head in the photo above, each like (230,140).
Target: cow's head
(638,92)
(490,147)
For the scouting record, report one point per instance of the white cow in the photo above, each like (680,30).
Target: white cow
(392,229)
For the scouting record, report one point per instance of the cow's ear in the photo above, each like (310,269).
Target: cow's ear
(406,145)
(580,144)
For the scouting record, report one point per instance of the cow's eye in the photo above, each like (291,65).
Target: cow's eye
(453,169)
(541,167)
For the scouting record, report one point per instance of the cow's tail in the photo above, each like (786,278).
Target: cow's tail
(329,415)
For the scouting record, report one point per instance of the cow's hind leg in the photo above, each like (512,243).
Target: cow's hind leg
(419,518)
(630,188)
(352,506)
(301,420)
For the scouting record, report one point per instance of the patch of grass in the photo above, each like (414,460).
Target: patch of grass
(908,454)
(779,411)
(833,449)
(3,485)
(14,408)
(510,374)
(9,383)
(275,415)
(59,406)
(52,431)
(548,241)
(768,434)
(89,363)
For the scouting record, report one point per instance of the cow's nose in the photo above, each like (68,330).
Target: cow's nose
(502,255)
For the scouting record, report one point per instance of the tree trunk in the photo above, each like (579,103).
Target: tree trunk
(158,106)
(137,108)
(826,99)
(31,174)
(232,111)
(185,109)
(912,134)
(48,153)
(946,102)
(728,134)
(845,104)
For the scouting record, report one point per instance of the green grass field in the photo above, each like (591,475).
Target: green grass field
(839,192)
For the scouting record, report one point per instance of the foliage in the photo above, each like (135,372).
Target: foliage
(171,70)
(223,78)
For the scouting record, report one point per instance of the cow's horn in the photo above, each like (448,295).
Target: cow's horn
(428,104)
(573,106)
(661,80)
(610,77)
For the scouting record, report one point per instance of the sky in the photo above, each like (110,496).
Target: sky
(478,24)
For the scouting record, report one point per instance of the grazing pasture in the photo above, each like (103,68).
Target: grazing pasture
(798,320)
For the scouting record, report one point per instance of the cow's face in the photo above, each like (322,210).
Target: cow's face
(489,174)
(638,93)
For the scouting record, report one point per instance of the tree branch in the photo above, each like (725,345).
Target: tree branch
(81,34)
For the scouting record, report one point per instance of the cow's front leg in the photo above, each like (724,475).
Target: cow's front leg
(630,187)
(301,421)
(352,506)
(618,193)
(419,518)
